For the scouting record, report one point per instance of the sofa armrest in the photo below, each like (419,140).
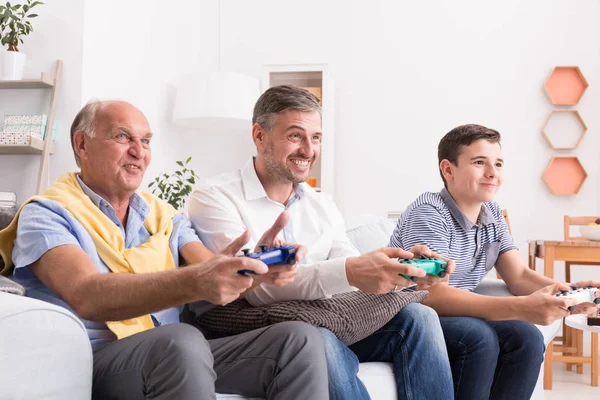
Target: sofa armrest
(493,287)
(45,351)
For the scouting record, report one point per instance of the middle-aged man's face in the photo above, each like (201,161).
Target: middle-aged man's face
(293,145)
(478,173)
(117,157)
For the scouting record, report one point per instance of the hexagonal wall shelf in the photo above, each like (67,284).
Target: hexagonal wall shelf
(565,86)
(564,129)
(564,175)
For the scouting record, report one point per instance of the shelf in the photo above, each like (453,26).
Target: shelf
(564,175)
(565,86)
(35,147)
(564,129)
(46,81)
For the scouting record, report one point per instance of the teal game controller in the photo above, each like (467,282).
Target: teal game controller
(431,266)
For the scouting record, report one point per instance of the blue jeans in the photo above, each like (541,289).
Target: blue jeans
(493,359)
(412,341)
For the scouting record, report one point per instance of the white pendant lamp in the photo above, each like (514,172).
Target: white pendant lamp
(224,99)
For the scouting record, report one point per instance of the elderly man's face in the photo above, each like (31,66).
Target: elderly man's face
(117,157)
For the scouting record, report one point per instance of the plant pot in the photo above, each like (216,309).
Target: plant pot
(11,65)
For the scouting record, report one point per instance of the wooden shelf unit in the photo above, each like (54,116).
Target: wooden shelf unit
(37,146)
(565,85)
(564,129)
(564,176)
(45,82)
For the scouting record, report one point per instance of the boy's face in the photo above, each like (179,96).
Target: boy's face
(478,174)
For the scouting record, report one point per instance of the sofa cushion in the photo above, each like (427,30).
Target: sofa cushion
(369,232)
(350,316)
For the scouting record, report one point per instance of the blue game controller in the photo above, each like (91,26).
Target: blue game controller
(276,255)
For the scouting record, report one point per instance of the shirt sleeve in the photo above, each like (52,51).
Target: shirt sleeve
(424,225)
(182,227)
(39,229)
(215,219)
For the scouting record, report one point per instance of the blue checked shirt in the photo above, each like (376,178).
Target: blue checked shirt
(435,220)
(45,224)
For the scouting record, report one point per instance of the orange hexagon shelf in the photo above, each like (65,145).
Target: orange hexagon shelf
(565,86)
(564,129)
(564,175)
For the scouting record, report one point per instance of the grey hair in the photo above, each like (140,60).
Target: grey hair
(280,99)
(85,121)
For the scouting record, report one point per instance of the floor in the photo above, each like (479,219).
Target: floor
(570,385)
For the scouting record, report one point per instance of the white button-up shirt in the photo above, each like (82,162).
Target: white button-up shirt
(226,205)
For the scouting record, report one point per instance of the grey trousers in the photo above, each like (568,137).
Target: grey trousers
(175,362)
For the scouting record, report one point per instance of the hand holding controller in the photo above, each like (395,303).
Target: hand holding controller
(583,295)
(431,266)
(276,255)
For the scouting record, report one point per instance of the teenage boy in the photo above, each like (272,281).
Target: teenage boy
(495,350)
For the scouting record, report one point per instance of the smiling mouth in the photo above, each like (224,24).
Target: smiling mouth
(131,166)
(301,163)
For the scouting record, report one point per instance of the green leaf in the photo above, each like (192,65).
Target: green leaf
(150,184)
(179,163)
(32,15)
(188,160)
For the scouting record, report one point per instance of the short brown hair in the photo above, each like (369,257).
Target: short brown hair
(451,144)
(279,99)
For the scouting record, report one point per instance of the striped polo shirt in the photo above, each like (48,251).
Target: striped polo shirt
(435,220)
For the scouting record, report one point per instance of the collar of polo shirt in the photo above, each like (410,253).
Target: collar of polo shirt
(485,215)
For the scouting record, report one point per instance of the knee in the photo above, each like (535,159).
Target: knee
(479,336)
(528,340)
(416,316)
(183,346)
(300,338)
(419,313)
(299,332)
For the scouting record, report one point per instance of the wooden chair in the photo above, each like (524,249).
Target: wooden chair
(573,338)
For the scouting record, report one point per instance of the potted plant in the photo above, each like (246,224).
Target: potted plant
(14,24)
(175,188)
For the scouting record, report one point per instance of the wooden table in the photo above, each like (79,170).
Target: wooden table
(560,250)
(580,322)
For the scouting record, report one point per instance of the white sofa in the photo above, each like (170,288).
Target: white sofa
(45,352)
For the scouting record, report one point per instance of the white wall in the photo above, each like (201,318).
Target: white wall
(143,61)
(408,72)
(57,35)
(405,74)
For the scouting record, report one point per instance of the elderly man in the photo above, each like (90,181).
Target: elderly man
(287,134)
(110,254)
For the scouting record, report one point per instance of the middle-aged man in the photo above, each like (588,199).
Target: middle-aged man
(110,254)
(287,134)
